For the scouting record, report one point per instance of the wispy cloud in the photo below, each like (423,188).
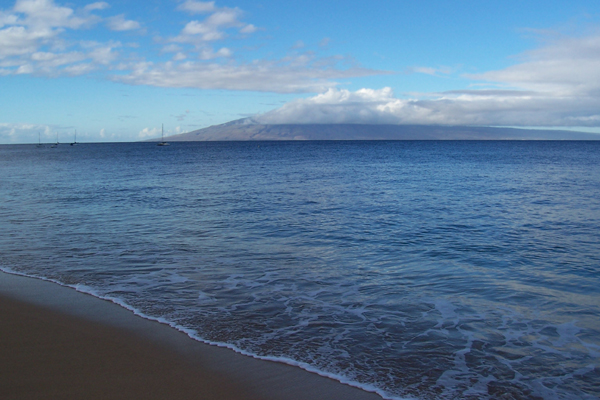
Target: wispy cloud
(564,66)
(197,7)
(100,5)
(119,23)
(209,54)
(291,75)
(32,39)
(212,28)
(430,70)
(182,116)
(39,37)
(45,14)
(325,42)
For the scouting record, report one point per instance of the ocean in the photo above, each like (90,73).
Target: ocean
(415,269)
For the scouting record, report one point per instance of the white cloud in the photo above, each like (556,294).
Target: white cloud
(79,69)
(214,26)
(24,69)
(197,7)
(16,132)
(31,40)
(39,39)
(209,54)
(225,17)
(103,53)
(149,133)
(248,29)
(107,137)
(564,67)
(555,85)
(368,106)
(195,31)
(286,76)
(46,14)
(179,56)
(36,39)
(334,106)
(431,71)
(7,19)
(18,40)
(119,23)
(50,61)
(100,5)
(171,48)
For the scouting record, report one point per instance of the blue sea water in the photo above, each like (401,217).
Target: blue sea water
(430,270)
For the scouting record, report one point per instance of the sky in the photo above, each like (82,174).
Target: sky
(117,70)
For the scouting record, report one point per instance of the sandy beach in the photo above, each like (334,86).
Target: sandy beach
(58,343)
(46,354)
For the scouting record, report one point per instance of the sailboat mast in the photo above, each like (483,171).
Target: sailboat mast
(162,136)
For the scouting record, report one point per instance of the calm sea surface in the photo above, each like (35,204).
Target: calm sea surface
(435,270)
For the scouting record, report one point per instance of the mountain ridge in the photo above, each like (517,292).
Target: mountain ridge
(246,129)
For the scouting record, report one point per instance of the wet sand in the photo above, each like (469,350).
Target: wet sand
(46,354)
(58,343)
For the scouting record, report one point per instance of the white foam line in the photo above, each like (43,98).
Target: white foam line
(193,335)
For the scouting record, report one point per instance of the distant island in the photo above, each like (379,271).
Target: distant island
(248,129)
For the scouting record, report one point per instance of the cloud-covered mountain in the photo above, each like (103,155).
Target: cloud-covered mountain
(248,129)
(519,108)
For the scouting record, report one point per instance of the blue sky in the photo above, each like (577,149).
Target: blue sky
(116,70)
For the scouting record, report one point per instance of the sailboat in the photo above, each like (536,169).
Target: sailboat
(39,140)
(162,142)
(75,142)
(56,144)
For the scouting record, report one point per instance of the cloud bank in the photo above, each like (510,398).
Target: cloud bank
(555,85)
(483,108)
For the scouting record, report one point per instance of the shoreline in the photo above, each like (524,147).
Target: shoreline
(65,340)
